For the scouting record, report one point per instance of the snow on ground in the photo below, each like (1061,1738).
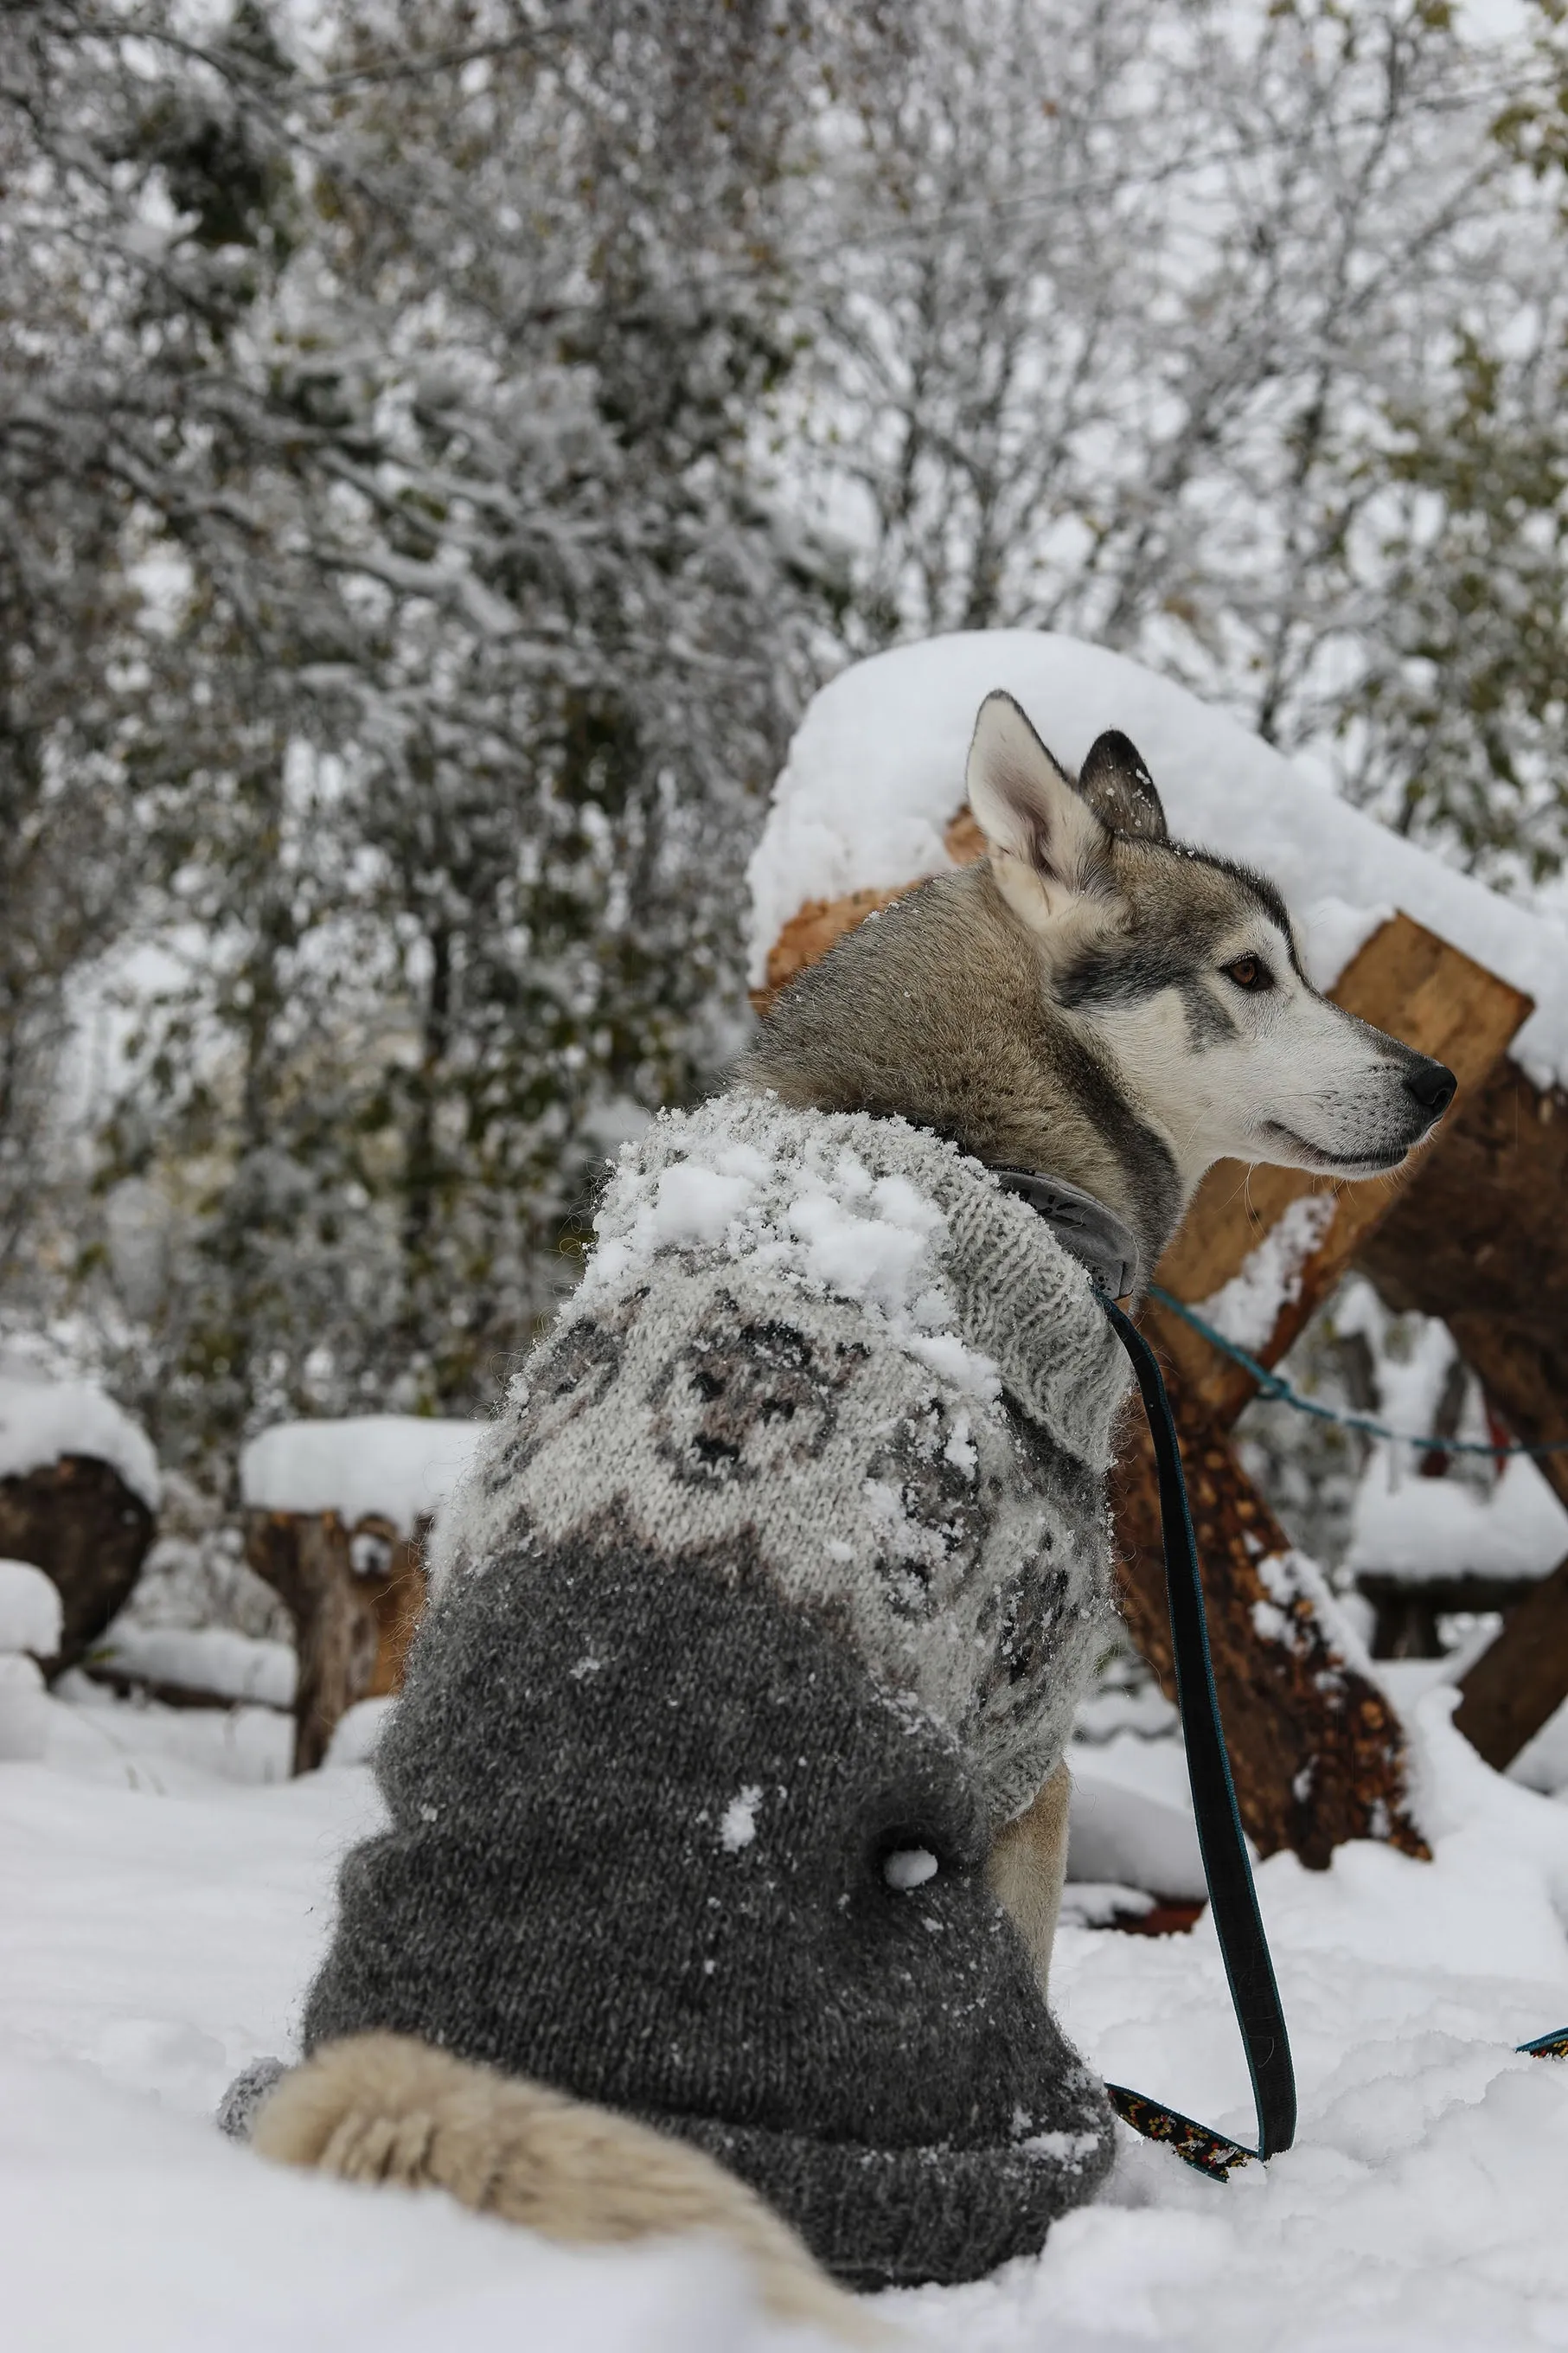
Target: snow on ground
(203,1659)
(876,771)
(165,1895)
(30,1611)
(392,1466)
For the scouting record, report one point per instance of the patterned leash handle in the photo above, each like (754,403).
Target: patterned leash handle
(1227,1868)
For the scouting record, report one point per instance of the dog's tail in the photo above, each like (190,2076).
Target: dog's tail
(383,2108)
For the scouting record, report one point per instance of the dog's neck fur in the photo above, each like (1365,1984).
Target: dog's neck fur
(937,1011)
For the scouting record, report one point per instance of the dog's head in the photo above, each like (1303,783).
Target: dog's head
(1186,970)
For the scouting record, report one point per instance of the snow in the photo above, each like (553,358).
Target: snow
(30,1612)
(390,1466)
(876,771)
(1246,1308)
(1405,1526)
(787,1194)
(738,1827)
(163,1918)
(1131,1816)
(912,1866)
(42,1420)
(203,1659)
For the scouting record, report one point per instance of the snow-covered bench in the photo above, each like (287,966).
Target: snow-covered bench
(334,1515)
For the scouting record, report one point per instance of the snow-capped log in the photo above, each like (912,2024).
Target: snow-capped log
(78,1490)
(336,1513)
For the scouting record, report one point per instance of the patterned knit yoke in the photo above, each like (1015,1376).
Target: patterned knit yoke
(787,1553)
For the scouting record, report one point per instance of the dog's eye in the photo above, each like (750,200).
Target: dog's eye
(1250,972)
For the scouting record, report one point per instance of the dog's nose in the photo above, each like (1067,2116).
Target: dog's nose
(1433,1084)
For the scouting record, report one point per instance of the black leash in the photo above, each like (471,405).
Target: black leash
(1227,1867)
(1100,1242)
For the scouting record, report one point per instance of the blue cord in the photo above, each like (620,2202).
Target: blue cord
(1275,1385)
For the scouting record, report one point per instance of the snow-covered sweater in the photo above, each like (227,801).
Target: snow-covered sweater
(839,1337)
(787,1551)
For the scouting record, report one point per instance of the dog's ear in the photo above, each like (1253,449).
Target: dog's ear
(1027,805)
(1118,786)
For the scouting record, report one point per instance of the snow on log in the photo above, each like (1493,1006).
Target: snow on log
(41,1422)
(389,1466)
(29,1631)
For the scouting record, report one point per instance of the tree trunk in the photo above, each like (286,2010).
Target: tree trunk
(355,1597)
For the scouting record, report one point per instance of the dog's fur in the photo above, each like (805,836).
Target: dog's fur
(386,2108)
(1092,1002)
(1070,1004)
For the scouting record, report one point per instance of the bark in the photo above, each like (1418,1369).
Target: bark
(1522,1680)
(1316,1752)
(354,1595)
(78,1522)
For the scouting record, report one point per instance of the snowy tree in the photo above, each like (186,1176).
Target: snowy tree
(1135,289)
(418,387)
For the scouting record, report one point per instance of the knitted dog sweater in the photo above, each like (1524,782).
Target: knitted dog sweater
(788,1552)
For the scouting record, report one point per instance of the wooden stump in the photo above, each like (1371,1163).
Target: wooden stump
(354,1595)
(1316,1752)
(80,1523)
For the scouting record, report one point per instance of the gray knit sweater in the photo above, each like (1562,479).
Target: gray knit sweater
(789,1548)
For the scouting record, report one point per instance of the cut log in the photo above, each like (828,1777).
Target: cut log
(1316,1752)
(1415,986)
(1519,1681)
(80,1523)
(396,1586)
(304,1557)
(356,1596)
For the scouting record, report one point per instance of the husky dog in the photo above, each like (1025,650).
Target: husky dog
(828,1422)
(1096,1002)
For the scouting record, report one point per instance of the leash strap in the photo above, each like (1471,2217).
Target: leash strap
(1227,1868)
